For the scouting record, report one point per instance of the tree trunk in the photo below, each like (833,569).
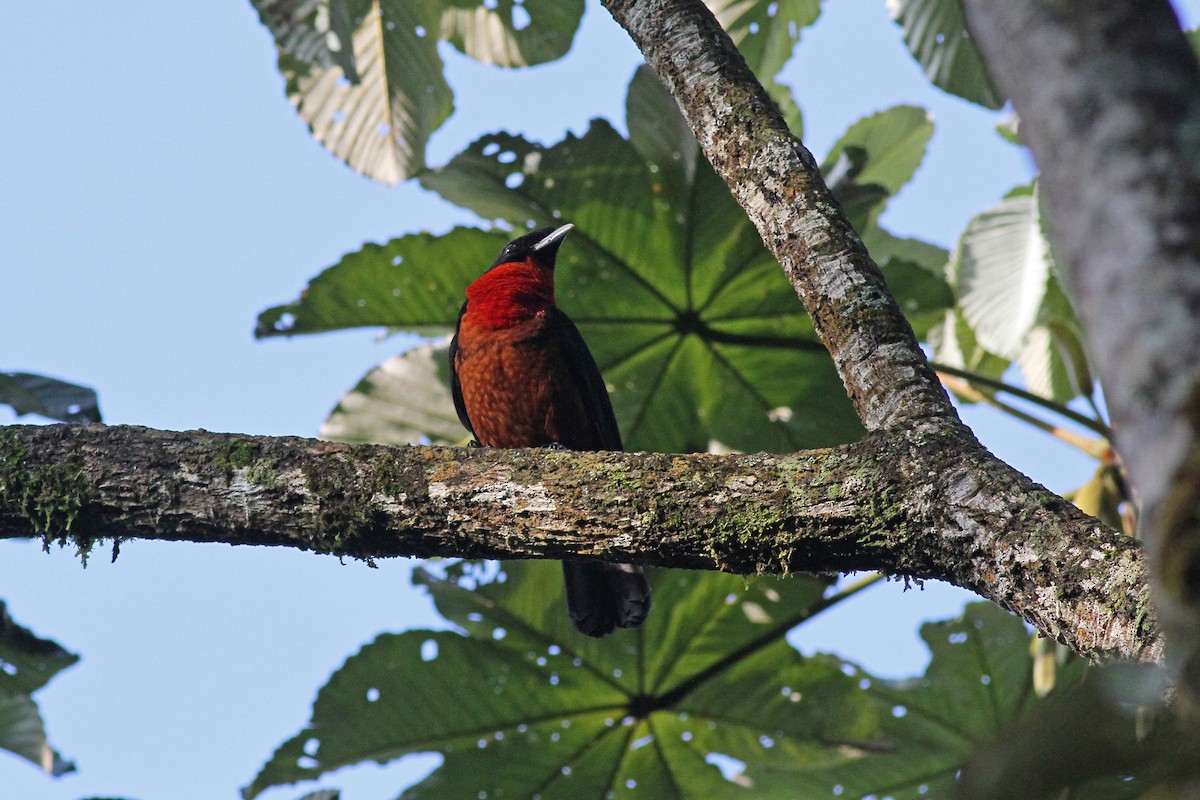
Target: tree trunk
(1109,98)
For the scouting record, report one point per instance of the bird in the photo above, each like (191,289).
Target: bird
(521,375)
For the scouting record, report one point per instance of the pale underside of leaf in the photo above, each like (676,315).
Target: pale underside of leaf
(1003,266)
(379,125)
(405,400)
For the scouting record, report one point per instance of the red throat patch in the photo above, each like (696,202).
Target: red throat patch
(508,294)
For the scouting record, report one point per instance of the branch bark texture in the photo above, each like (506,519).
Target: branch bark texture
(777,181)
(1109,98)
(911,503)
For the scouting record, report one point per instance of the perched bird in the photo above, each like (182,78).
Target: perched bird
(522,376)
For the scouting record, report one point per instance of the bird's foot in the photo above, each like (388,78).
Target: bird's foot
(474,443)
(557,446)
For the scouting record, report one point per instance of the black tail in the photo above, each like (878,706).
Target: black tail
(603,597)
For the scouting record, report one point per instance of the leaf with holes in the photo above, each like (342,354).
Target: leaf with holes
(511,33)
(520,705)
(27,663)
(978,682)
(378,118)
(367,78)
(29,393)
(415,282)
(937,36)
(690,318)
(698,332)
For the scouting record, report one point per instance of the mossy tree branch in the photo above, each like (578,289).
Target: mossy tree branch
(777,182)
(913,504)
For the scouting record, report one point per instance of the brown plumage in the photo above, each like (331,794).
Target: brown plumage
(522,376)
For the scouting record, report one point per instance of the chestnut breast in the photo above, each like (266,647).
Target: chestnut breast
(517,386)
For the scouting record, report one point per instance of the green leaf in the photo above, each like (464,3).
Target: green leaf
(379,119)
(27,663)
(522,706)
(511,33)
(978,682)
(367,78)
(874,158)
(937,36)
(48,397)
(662,271)
(415,281)
(405,400)
(698,332)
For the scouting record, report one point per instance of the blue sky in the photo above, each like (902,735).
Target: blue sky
(158,193)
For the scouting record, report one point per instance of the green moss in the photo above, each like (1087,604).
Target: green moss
(234,454)
(350,516)
(750,533)
(50,497)
(263,473)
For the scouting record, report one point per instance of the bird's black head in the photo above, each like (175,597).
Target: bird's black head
(540,245)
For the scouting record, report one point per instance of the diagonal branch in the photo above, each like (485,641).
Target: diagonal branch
(913,504)
(777,182)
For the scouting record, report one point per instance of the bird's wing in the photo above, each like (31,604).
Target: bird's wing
(586,375)
(455,387)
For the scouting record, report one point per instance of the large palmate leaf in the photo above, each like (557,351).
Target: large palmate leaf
(979,681)
(366,75)
(29,393)
(707,700)
(519,705)
(415,282)
(937,36)
(699,334)
(27,663)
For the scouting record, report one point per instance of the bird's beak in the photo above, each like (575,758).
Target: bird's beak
(553,238)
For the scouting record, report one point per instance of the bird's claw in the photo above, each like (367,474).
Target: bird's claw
(473,444)
(556,446)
